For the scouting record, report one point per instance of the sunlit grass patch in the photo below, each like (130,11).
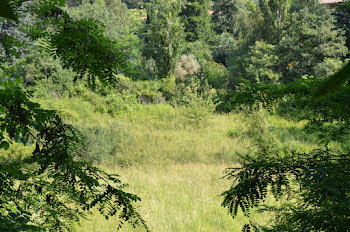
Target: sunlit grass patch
(175,198)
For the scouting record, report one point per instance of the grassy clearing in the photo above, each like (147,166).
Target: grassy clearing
(155,134)
(173,158)
(177,197)
(161,134)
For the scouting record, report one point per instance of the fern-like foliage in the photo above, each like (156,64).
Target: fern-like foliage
(80,44)
(318,180)
(333,82)
(49,189)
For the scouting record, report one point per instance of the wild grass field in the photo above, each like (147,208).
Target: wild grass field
(174,158)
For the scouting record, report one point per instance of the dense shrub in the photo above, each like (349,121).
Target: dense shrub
(216,74)
(196,113)
(104,142)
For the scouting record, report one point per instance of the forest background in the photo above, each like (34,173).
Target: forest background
(202,85)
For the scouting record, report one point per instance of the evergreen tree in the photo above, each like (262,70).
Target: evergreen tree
(275,14)
(228,16)
(308,41)
(164,35)
(342,15)
(197,20)
(260,63)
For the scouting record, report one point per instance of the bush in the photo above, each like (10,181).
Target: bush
(328,67)
(261,62)
(149,91)
(43,75)
(104,142)
(186,66)
(196,114)
(216,74)
(112,104)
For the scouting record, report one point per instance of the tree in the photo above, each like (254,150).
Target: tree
(113,14)
(186,67)
(308,41)
(163,35)
(48,189)
(73,3)
(236,23)
(227,16)
(305,36)
(275,14)
(342,13)
(197,20)
(216,74)
(261,62)
(132,4)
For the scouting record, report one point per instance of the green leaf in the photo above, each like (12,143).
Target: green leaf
(5,145)
(6,10)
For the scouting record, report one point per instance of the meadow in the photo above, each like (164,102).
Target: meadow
(174,160)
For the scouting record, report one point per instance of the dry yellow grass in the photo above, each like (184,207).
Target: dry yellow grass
(175,197)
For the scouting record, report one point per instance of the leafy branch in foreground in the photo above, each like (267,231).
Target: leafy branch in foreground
(319,181)
(94,55)
(333,82)
(49,189)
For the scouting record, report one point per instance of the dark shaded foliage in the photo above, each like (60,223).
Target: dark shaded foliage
(94,55)
(319,180)
(342,14)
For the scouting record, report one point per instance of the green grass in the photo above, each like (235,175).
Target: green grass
(156,134)
(174,198)
(174,161)
(177,197)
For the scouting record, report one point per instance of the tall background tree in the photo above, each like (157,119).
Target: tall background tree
(196,18)
(306,37)
(113,15)
(164,35)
